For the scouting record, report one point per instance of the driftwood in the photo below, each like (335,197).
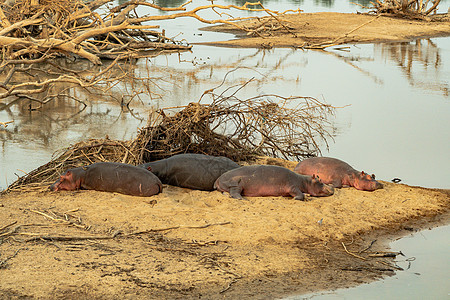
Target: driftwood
(33,29)
(5,124)
(412,9)
(36,29)
(42,42)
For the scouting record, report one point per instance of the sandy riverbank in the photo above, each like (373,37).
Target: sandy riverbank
(329,27)
(218,247)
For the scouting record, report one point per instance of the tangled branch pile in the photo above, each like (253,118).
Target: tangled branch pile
(35,29)
(41,28)
(35,32)
(417,9)
(267,125)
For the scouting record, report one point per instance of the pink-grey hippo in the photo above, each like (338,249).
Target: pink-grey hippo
(337,173)
(265,180)
(110,177)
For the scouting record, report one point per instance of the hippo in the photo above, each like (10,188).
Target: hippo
(265,180)
(190,170)
(110,177)
(337,173)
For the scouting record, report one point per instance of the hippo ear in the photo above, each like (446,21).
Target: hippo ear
(315,178)
(373,176)
(362,173)
(149,168)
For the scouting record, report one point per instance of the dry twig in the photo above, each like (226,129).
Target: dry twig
(3,263)
(6,226)
(337,41)
(5,124)
(117,234)
(352,254)
(58,220)
(265,125)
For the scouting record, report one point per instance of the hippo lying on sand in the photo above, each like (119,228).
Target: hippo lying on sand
(338,173)
(110,177)
(264,180)
(194,171)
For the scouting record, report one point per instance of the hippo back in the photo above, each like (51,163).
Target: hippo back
(190,170)
(121,178)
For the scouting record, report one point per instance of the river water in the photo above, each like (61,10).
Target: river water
(394,100)
(425,276)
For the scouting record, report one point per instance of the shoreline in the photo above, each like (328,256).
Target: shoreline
(329,28)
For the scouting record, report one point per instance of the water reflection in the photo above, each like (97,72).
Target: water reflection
(166,3)
(48,114)
(420,62)
(396,126)
(424,276)
(378,81)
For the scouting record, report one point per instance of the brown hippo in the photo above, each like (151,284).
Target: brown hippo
(189,170)
(264,180)
(337,173)
(110,177)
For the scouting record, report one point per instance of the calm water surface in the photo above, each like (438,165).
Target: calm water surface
(425,276)
(393,120)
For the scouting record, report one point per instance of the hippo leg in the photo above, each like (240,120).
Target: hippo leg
(235,189)
(297,194)
(235,192)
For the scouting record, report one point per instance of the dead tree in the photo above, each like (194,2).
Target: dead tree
(415,9)
(41,39)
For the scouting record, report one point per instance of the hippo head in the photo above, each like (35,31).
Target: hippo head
(67,182)
(317,188)
(366,182)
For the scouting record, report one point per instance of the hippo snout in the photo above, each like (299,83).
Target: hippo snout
(329,189)
(324,190)
(54,186)
(378,185)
